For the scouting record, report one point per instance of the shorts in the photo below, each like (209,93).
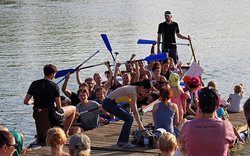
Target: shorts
(56,117)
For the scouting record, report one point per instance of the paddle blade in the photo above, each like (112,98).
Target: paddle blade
(106,41)
(62,73)
(142,41)
(157,57)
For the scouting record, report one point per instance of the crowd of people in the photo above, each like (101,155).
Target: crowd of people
(188,113)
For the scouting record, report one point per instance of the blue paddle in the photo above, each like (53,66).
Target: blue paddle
(106,42)
(72,71)
(143,41)
(156,57)
(151,58)
(62,73)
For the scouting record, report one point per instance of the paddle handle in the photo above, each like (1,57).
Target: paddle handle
(83,112)
(192,49)
(95,65)
(85,61)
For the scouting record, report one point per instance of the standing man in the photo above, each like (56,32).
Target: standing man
(167,31)
(46,94)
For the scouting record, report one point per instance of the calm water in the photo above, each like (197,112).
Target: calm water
(36,32)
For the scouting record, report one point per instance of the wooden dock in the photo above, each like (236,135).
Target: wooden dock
(104,139)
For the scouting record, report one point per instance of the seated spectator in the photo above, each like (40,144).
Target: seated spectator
(70,94)
(167,144)
(19,138)
(192,100)
(179,97)
(87,110)
(143,70)
(165,113)
(7,143)
(56,138)
(158,80)
(207,131)
(235,98)
(130,69)
(79,145)
(222,110)
(212,84)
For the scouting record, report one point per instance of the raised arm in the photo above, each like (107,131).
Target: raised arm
(137,72)
(117,70)
(108,82)
(78,78)
(65,90)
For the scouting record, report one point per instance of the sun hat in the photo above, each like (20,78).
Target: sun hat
(174,80)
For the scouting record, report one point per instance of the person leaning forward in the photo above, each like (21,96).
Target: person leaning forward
(167,31)
(46,94)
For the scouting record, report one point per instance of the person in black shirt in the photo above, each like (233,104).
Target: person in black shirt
(46,94)
(166,32)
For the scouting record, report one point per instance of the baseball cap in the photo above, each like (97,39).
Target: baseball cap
(174,80)
(195,81)
(167,13)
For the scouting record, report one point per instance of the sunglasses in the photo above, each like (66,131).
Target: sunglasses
(15,146)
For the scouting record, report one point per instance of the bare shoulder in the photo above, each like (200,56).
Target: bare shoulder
(173,106)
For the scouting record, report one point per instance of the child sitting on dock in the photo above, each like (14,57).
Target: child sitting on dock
(167,144)
(234,99)
(56,138)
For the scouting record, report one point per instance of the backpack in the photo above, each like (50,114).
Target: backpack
(138,137)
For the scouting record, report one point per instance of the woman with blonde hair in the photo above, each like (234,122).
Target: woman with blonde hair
(56,138)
